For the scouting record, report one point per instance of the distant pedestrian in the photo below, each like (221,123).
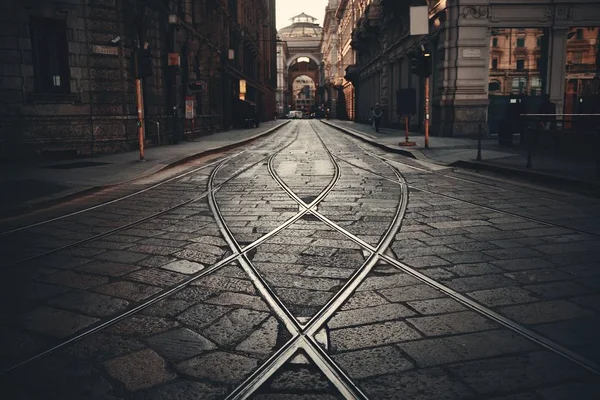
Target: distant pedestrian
(377,114)
(371,119)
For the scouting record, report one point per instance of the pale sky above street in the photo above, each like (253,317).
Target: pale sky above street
(287,9)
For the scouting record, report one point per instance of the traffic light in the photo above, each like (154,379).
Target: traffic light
(421,64)
(196,87)
(144,63)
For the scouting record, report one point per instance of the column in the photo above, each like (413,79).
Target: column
(464,99)
(557,66)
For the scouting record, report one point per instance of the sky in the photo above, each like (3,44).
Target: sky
(287,9)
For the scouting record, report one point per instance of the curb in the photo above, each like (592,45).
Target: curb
(364,138)
(585,187)
(50,201)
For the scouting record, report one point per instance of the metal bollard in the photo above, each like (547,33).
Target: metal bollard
(479,143)
(598,152)
(529,146)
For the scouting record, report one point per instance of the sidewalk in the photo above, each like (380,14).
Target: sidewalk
(33,184)
(462,152)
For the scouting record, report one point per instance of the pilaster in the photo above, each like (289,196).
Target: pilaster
(464,98)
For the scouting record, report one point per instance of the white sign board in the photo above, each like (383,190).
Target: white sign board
(419,20)
(471,53)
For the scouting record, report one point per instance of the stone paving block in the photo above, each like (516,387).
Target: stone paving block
(423,262)
(234,326)
(156,277)
(226,284)
(426,384)
(379,361)
(555,290)
(54,322)
(386,312)
(363,300)
(503,296)
(142,325)
(371,335)
(544,311)
(262,341)
(128,290)
(576,332)
(202,315)
(538,275)
(31,290)
(197,256)
(156,261)
(514,253)
(108,268)
(75,280)
(16,345)
(89,303)
(522,263)
(460,322)
(470,346)
(467,257)
(184,267)
(180,344)
(583,391)
(384,282)
(473,283)
(121,256)
(408,293)
(506,374)
(474,269)
(139,370)
(239,299)
(436,306)
(183,390)
(103,346)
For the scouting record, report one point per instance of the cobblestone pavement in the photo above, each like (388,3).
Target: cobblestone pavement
(308,266)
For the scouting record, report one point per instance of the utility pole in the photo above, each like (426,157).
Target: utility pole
(143,68)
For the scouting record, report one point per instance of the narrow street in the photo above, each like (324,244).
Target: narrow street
(305,265)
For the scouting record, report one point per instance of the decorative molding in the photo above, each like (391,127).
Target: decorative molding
(563,12)
(476,12)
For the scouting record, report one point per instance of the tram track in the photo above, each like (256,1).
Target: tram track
(523,331)
(171,291)
(122,227)
(304,335)
(493,209)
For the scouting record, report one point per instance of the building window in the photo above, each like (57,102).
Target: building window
(539,42)
(579,34)
(521,42)
(495,63)
(538,64)
(520,65)
(50,55)
(495,42)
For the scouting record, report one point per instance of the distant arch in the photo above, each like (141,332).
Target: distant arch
(300,55)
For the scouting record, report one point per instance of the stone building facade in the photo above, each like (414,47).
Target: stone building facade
(283,94)
(303,41)
(485,54)
(332,77)
(66,70)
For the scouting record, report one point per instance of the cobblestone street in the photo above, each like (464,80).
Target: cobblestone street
(305,265)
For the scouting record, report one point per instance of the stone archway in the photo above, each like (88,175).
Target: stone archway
(300,68)
(304,93)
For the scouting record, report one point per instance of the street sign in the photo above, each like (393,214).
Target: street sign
(189,108)
(196,86)
(174,59)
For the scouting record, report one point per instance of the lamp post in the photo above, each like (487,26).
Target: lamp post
(174,65)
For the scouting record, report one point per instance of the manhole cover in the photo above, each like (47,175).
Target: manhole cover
(79,164)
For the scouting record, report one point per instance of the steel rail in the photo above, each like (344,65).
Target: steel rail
(306,340)
(530,219)
(529,334)
(342,382)
(131,224)
(104,204)
(162,295)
